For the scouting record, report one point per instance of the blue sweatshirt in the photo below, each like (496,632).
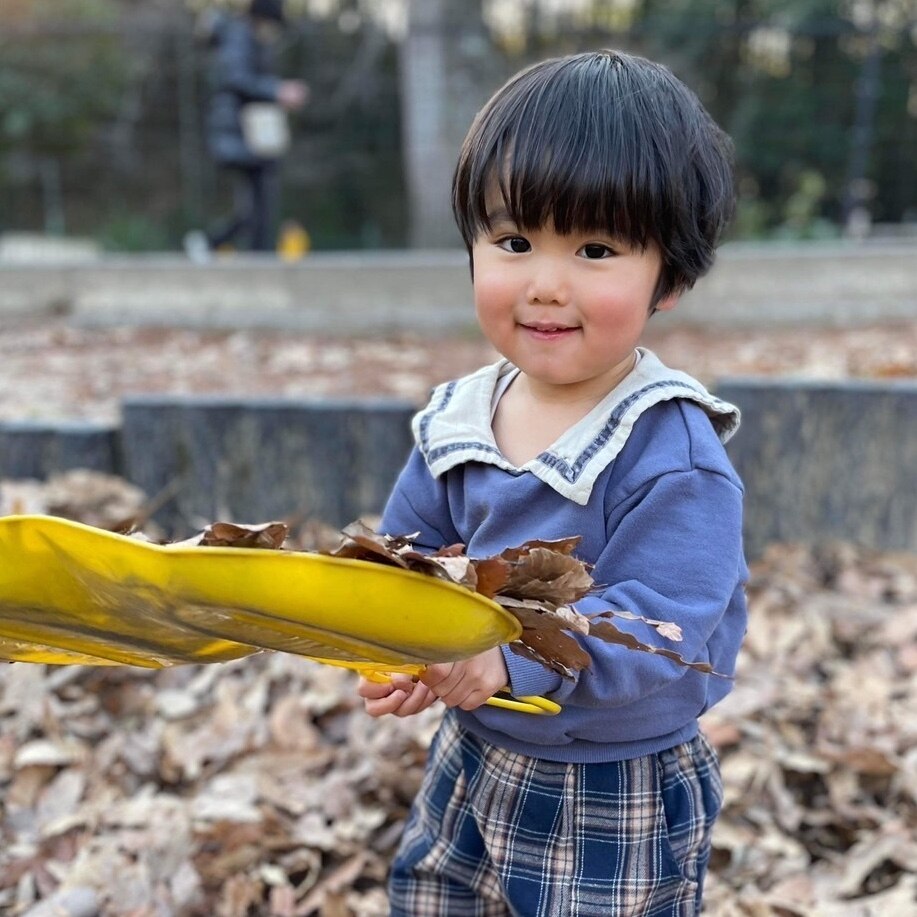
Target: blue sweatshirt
(645,481)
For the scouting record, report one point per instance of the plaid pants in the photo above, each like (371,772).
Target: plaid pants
(493,833)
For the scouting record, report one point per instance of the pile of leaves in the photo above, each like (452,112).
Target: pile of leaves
(260,787)
(249,788)
(87,496)
(50,369)
(818,740)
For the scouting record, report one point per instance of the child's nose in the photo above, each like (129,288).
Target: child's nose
(547,285)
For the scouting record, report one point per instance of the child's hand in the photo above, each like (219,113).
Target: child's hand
(467,684)
(402,696)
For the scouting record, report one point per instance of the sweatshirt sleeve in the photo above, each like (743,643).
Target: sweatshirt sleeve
(674,554)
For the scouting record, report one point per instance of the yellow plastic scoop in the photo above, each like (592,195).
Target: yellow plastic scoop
(73,594)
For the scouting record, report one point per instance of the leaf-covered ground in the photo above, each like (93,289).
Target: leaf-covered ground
(260,787)
(52,371)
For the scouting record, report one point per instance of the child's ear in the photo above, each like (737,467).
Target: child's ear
(668,303)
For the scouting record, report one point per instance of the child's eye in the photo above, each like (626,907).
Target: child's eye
(596,250)
(515,244)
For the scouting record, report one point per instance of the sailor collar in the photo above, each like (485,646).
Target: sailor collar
(455,427)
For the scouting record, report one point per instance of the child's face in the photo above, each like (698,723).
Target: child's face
(568,310)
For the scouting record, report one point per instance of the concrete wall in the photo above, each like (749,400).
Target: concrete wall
(827,460)
(819,461)
(431,291)
(252,461)
(34,449)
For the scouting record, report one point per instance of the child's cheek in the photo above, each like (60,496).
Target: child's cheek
(494,296)
(495,319)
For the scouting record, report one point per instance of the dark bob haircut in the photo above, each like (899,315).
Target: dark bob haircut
(602,141)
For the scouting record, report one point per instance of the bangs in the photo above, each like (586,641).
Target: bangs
(600,142)
(589,166)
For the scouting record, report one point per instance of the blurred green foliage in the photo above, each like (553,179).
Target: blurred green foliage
(54,93)
(114,92)
(785,79)
(131,232)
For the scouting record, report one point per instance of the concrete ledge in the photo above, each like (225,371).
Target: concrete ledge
(372,292)
(251,461)
(827,460)
(840,283)
(38,450)
(328,294)
(819,460)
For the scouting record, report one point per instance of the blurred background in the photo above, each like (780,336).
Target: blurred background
(102,107)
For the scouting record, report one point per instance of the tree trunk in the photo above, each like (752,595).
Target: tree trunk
(433,120)
(49,174)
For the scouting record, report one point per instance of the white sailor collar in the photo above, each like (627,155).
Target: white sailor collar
(455,427)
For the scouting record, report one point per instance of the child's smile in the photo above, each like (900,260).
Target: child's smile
(549,331)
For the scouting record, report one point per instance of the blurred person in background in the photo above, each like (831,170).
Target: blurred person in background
(247,133)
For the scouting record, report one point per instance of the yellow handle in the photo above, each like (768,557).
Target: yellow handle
(538,706)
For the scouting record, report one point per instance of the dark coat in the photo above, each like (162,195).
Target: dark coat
(243,71)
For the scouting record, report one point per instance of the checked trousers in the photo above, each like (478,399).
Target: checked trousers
(494,833)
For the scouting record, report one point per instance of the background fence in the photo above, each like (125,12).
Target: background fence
(102,105)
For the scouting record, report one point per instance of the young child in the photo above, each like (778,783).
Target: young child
(591,191)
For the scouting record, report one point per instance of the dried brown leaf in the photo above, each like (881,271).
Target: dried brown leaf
(266,535)
(334,883)
(493,573)
(605,630)
(548,571)
(362,543)
(459,570)
(552,577)
(558,546)
(575,621)
(452,550)
(545,639)
(667,629)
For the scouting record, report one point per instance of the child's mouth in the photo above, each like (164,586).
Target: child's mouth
(549,332)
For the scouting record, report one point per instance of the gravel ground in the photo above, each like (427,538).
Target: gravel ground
(52,371)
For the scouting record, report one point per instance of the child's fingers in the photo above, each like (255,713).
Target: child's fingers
(442,677)
(450,682)
(400,697)
(469,683)
(402,681)
(371,690)
(476,698)
(382,706)
(419,699)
